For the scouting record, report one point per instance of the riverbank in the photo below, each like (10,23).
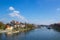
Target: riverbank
(15,31)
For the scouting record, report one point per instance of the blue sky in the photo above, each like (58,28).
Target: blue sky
(33,11)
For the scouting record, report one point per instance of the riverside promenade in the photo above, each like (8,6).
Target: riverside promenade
(7,31)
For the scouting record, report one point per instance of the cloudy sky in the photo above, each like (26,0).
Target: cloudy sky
(32,11)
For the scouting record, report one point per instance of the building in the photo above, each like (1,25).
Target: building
(14,24)
(8,27)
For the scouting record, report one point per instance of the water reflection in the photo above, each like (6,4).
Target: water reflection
(56,29)
(41,33)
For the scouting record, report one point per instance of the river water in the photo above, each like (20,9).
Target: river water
(37,34)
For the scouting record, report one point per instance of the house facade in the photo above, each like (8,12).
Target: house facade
(14,24)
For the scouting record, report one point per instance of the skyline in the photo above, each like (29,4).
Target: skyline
(32,11)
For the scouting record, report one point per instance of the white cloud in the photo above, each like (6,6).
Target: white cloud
(14,14)
(17,15)
(11,8)
(16,11)
(58,9)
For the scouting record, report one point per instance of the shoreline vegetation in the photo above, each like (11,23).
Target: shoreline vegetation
(15,27)
(55,26)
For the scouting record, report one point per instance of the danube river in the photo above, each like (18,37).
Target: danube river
(42,33)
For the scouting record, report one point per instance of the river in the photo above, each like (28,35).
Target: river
(37,34)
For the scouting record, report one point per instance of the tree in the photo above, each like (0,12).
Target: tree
(2,25)
(31,26)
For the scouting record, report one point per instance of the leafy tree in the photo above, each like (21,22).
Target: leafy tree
(31,26)
(2,25)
